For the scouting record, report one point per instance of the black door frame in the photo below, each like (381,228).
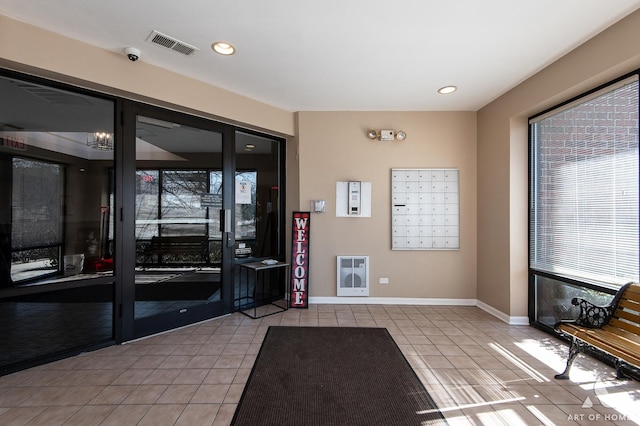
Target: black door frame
(124,165)
(130,328)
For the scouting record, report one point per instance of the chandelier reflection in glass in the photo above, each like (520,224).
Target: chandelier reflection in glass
(100,140)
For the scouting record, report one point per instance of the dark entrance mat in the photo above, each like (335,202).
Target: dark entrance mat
(333,376)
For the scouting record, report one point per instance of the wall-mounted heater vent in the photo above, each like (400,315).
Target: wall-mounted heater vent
(353,275)
(164,40)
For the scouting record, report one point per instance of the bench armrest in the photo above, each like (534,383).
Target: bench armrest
(592,316)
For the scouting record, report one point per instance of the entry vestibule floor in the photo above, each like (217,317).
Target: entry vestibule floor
(478,369)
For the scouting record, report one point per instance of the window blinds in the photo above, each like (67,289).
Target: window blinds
(584,188)
(36,204)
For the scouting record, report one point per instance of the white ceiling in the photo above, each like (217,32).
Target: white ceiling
(339,55)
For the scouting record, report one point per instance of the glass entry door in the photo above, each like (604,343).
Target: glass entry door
(258,220)
(180,238)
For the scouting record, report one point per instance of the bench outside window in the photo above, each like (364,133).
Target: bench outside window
(177,249)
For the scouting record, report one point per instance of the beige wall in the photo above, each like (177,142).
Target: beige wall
(502,156)
(33,50)
(334,147)
(327,147)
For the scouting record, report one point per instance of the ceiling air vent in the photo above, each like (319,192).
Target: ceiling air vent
(171,43)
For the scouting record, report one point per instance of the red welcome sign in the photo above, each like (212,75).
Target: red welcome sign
(300,260)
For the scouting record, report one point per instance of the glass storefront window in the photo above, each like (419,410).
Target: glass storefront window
(553,300)
(584,202)
(56,231)
(65,213)
(584,226)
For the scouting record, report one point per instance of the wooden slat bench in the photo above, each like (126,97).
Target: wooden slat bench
(179,245)
(613,329)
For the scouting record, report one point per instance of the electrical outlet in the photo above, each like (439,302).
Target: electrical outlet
(383,280)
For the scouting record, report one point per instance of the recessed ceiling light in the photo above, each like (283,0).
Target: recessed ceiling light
(447,89)
(249,147)
(223,48)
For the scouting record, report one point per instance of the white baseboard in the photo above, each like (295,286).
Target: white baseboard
(419,301)
(502,316)
(390,301)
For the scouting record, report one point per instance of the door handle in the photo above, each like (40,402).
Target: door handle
(225,227)
(225,220)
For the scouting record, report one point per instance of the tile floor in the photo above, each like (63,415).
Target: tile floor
(479,370)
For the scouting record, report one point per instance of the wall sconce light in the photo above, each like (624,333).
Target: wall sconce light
(386,135)
(318,206)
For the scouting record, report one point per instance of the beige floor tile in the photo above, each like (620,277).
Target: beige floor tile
(347,322)
(366,322)
(126,415)
(149,361)
(208,394)
(198,414)
(450,349)
(309,322)
(159,415)
(162,376)
(529,394)
(14,396)
(549,414)
(53,416)
(175,361)
(242,376)
(145,394)
(225,415)
(237,348)
(234,394)
(20,415)
(21,378)
(103,377)
(132,377)
(191,376)
(162,349)
(79,395)
(219,376)
(211,349)
(196,339)
(237,341)
(177,394)
(471,363)
(462,362)
(61,395)
(112,395)
(90,415)
(435,361)
(187,349)
(558,394)
(426,350)
(229,361)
